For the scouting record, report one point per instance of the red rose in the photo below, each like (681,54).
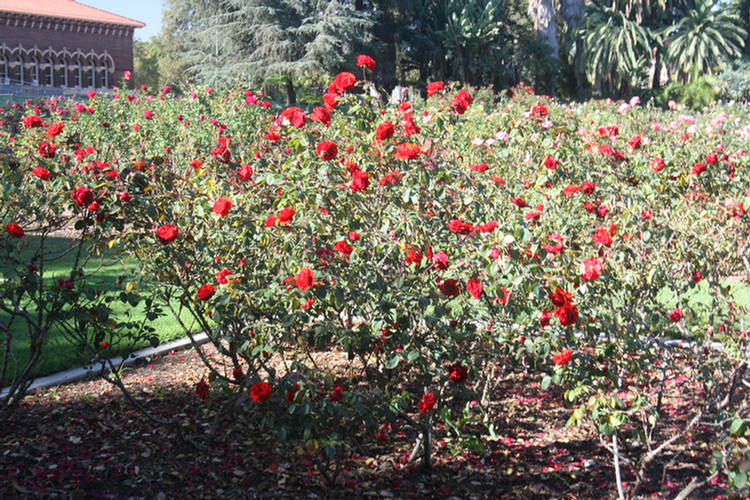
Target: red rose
(321,115)
(222,206)
(487,228)
(14,230)
(360,182)
(555,247)
(539,111)
(657,164)
(47,150)
(354,236)
(329,98)
(591,269)
(293,115)
(167,234)
(305,279)
(459,227)
(519,202)
(699,168)
(567,314)
(563,357)
(201,389)
(270,221)
(462,101)
(328,150)
(560,297)
(675,315)
(365,61)
(261,392)
(343,247)
(237,373)
(245,173)
(42,173)
(441,260)
(221,276)
(458,373)
(83,196)
(205,292)
(413,255)
(427,403)
(286,215)
(449,287)
(588,187)
(407,151)
(635,142)
(545,318)
(434,87)
(55,129)
(711,158)
(343,82)
(337,394)
(478,167)
(474,287)
(550,163)
(32,121)
(571,190)
(602,236)
(384,131)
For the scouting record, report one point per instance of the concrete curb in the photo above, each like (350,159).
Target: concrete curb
(76,374)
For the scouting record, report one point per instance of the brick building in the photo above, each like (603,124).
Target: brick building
(54,47)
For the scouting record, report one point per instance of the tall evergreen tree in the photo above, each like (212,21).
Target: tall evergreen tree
(230,40)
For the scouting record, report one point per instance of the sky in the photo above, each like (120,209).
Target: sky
(146,11)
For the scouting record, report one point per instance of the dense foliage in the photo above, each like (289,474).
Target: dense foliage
(436,242)
(570,48)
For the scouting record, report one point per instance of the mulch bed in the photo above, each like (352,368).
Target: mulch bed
(85,441)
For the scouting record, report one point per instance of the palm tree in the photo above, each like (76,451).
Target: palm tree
(459,40)
(615,50)
(709,33)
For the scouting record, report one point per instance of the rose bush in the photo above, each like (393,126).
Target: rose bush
(491,233)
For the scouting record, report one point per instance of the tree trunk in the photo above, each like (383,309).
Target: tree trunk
(542,13)
(289,92)
(571,11)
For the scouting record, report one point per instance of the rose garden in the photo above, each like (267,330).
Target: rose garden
(425,299)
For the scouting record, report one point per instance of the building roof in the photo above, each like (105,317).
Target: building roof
(66,9)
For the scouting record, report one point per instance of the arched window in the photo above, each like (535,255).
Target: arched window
(105,76)
(92,75)
(19,64)
(64,73)
(49,73)
(4,77)
(34,71)
(77,73)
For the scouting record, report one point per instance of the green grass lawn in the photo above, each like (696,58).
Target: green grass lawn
(698,300)
(62,351)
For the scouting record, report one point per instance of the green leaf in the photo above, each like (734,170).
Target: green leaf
(392,362)
(546,381)
(736,426)
(740,479)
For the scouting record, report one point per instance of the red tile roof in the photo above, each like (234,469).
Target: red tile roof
(66,9)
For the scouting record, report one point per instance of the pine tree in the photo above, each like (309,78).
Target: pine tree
(237,40)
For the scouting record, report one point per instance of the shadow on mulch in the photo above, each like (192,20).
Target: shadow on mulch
(84,441)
